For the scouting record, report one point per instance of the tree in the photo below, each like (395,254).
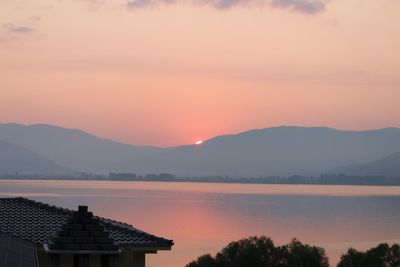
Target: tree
(304,255)
(352,258)
(394,256)
(203,261)
(261,252)
(382,255)
(253,251)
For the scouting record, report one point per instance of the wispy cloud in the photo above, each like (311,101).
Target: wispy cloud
(35,18)
(304,6)
(142,3)
(17,29)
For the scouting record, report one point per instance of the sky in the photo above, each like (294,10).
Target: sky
(171,72)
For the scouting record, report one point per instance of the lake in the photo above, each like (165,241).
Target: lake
(202,217)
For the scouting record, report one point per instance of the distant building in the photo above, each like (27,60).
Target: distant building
(35,234)
(160,177)
(122,176)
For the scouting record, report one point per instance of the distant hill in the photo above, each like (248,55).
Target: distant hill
(277,151)
(388,166)
(16,159)
(272,151)
(74,148)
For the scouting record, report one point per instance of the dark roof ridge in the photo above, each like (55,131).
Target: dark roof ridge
(45,205)
(112,223)
(38,203)
(127,227)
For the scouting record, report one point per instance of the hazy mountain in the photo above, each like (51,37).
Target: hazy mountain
(16,159)
(73,148)
(271,151)
(276,151)
(388,166)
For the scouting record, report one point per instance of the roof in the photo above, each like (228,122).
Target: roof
(82,234)
(15,252)
(37,222)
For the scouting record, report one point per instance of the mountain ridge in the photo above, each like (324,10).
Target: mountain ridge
(388,166)
(284,150)
(17,159)
(73,148)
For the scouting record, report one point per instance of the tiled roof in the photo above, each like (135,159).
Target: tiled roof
(82,233)
(37,222)
(15,252)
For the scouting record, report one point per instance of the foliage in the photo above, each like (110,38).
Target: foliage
(305,255)
(261,252)
(381,256)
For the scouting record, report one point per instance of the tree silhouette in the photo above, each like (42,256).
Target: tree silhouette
(261,252)
(304,255)
(382,255)
(203,261)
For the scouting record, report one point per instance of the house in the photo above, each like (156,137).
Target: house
(34,234)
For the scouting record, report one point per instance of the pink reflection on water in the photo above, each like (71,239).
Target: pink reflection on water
(271,189)
(202,218)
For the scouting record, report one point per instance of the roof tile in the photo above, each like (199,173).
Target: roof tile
(37,222)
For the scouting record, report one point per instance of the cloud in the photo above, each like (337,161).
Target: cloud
(219,4)
(304,6)
(17,29)
(35,18)
(142,3)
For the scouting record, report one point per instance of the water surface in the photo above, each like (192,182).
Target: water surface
(202,218)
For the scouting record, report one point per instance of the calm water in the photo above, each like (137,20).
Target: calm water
(202,218)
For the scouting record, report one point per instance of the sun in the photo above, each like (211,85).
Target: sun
(199,142)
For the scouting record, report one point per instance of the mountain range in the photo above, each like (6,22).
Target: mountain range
(16,159)
(282,151)
(388,166)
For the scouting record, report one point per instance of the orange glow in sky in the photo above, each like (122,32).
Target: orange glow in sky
(165,74)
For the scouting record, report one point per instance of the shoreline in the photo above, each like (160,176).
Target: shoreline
(245,181)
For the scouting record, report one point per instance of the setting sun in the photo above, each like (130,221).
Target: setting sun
(199,142)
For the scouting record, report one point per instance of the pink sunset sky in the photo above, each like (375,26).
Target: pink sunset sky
(165,72)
